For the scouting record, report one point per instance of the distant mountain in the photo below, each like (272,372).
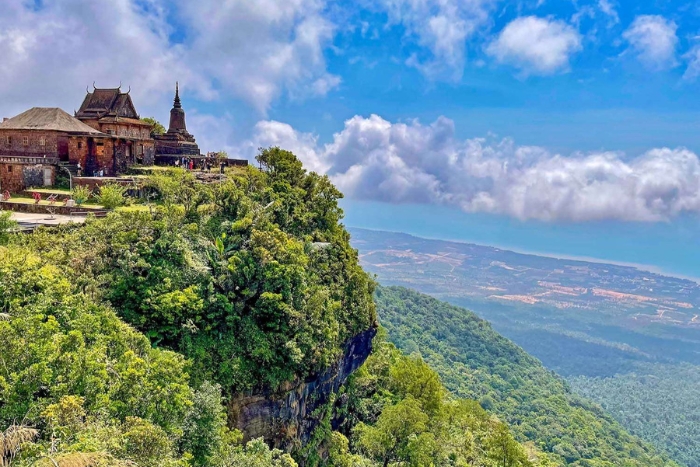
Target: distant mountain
(476,362)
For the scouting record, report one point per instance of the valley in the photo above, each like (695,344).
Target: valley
(622,336)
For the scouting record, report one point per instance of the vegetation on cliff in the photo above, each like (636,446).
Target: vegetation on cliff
(477,363)
(119,337)
(253,279)
(121,340)
(397,412)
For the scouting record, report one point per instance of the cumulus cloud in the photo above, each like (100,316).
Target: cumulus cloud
(372,158)
(255,51)
(51,53)
(536,45)
(441,27)
(653,38)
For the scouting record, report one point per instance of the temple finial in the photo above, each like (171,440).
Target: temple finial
(177,103)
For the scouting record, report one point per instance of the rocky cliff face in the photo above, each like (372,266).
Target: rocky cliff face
(285,417)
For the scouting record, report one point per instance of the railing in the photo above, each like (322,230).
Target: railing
(28,159)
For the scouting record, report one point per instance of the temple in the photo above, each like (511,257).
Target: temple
(112,112)
(104,138)
(177,142)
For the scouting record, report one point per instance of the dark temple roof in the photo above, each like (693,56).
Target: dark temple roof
(107,103)
(52,119)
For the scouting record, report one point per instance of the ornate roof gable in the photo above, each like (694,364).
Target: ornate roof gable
(107,103)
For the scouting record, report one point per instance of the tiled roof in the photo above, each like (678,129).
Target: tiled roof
(107,102)
(47,118)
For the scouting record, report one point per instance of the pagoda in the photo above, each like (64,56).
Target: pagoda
(177,141)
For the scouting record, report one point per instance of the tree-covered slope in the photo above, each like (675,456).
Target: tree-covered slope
(119,337)
(476,362)
(397,412)
(659,403)
(252,279)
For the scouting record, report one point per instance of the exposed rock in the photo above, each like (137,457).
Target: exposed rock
(285,418)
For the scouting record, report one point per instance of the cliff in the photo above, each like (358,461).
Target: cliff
(287,417)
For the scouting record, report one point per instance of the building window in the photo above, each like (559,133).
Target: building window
(42,141)
(9,169)
(9,140)
(25,141)
(80,145)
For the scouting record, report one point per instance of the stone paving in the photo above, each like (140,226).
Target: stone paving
(30,221)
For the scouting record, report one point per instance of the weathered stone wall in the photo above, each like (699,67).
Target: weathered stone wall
(149,153)
(11,178)
(126,130)
(78,148)
(285,418)
(95,182)
(16,177)
(16,146)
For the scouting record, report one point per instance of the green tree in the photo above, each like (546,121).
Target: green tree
(391,439)
(204,429)
(254,454)
(156,127)
(504,449)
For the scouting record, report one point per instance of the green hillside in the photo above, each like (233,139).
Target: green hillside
(660,403)
(476,362)
(397,412)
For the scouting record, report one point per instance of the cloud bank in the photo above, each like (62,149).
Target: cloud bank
(374,159)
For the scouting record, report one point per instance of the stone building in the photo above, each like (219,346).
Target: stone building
(112,112)
(177,142)
(35,142)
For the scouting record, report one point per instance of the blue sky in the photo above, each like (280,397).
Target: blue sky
(527,115)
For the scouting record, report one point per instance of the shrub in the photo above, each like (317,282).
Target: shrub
(81,193)
(6,225)
(112,195)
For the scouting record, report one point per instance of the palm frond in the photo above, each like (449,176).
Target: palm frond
(12,439)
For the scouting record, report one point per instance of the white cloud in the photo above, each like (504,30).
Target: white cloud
(692,72)
(441,27)
(304,145)
(653,38)
(255,51)
(51,54)
(372,158)
(536,45)
(609,10)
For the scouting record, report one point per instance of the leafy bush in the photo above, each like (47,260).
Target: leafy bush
(112,195)
(81,194)
(6,225)
(73,368)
